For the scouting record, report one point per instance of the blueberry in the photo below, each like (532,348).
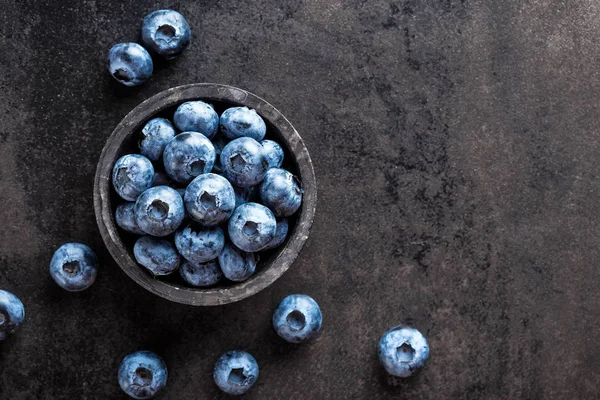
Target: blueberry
(298,318)
(125,219)
(273,153)
(280,234)
(281,192)
(159,256)
(402,351)
(199,244)
(142,374)
(201,274)
(188,155)
(209,199)
(237,265)
(132,174)
(129,63)
(243,162)
(238,122)
(12,314)
(235,372)
(252,227)
(156,135)
(197,116)
(74,267)
(159,211)
(165,33)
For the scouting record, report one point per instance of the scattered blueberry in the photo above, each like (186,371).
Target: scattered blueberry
(243,162)
(132,174)
(129,63)
(201,274)
(125,219)
(238,122)
(142,374)
(12,314)
(273,153)
(280,234)
(209,199)
(188,155)
(156,135)
(159,256)
(235,372)
(237,265)
(165,33)
(402,351)
(298,318)
(74,267)
(159,211)
(199,244)
(281,192)
(252,227)
(197,116)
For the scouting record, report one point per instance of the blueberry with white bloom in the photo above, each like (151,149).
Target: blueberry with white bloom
(199,244)
(403,351)
(132,175)
(125,219)
(159,211)
(273,153)
(166,33)
(209,199)
(239,122)
(243,162)
(281,192)
(237,265)
(252,227)
(158,256)
(201,274)
(142,374)
(12,314)
(188,155)
(130,64)
(197,116)
(280,234)
(298,318)
(235,372)
(155,136)
(74,267)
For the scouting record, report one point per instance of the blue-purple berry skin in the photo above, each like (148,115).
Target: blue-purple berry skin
(239,122)
(132,175)
(166,33)
(142,374)
(130,64)
(298,318)
(197,116)
(200,244)
(155,136)
(281,192)
(201,274)
(243,162)
(209,199)
(74,267)
(12,314)
(157,255)
(159,211)
(273,153)
(403,351)
(188,155)
(235,372)
(237,265)
(280,234)
(125,219)
(252,227)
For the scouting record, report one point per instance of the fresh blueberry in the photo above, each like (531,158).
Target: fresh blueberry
(125,219)
(12,314)
(209,199)
(238,122)
(280,234)
(156,135)
(201,274)
(165,33)
(132,174)
(237,265)
(142,374)
(74,267)
(129,63)
(161,179)
(243,162)
(197,116)
(273,153)
(188,155)
(252,227)
(159,256)
(159,211)
(235,372)
(281,192)
(199,245)
(402,351)
(298,318)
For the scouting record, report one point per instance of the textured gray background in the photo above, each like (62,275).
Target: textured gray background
(456,148)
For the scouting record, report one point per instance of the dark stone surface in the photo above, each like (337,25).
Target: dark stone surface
(456,149)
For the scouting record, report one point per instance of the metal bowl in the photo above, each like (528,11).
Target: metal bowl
(123,141)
